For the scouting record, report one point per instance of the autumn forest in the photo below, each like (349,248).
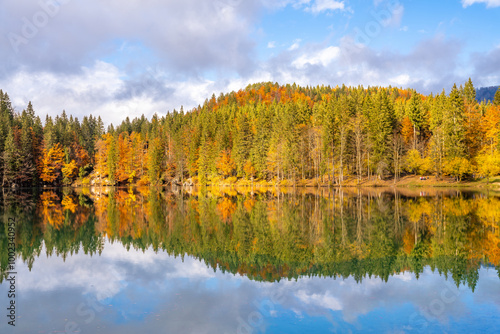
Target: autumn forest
(265,133)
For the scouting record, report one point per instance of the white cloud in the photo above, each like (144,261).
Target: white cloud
(431,66)
(271,45)
(323,57)
(489,3)
(401,80)
(326,5)
(396,17)
(313,6)
(295,45)
(220,30)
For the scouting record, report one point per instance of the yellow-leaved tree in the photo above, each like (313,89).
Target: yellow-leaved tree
(488,164)
(414,163)
(457,167)
(52,163)
(69,172)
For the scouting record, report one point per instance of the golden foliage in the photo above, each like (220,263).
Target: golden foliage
(52,163)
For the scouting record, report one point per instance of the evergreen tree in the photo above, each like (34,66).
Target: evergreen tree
(242,142)
(381,121)
(155,158)
(10,160)
(470,92)
(453,125)
(27,164)
(416,115)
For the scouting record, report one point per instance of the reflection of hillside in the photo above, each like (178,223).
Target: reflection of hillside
(271,235)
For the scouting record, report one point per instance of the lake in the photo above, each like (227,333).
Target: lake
(163,260)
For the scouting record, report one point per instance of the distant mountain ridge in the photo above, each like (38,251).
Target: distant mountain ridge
(486,93)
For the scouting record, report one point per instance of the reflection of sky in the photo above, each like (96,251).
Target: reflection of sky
(143,292)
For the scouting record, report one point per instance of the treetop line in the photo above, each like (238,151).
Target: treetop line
(263,133)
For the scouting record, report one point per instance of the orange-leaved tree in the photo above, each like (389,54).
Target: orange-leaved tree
(52,163)
(225,164)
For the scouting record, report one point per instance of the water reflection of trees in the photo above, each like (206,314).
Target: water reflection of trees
(268,235)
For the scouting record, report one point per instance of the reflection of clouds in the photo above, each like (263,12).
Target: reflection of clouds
(156,293)
(319,296)
(323,300)
(92,274)
(104,275)
(405,276)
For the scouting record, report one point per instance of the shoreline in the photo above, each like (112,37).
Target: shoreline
(407,182)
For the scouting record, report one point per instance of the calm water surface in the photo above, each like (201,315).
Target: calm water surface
(153,260)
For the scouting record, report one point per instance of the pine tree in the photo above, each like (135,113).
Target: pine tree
(6,106)
(27,164)
(416,115)
(437,143)
(453,125)
(99,128)
(155,156)
(342,131)
(470,92)
(260,147)
(6,117)
(10,160)
(381,121)
(242,142)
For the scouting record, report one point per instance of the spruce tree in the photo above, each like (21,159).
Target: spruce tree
(453,125)
(10,160)
(242,142)
(470,92)
(416,115)
(27,165)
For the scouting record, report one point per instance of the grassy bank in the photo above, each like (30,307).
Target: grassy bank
(373,182)
(407,181)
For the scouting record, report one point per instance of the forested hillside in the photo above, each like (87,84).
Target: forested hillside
(486,94)
(265,132)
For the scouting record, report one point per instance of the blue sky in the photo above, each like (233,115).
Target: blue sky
(118,59)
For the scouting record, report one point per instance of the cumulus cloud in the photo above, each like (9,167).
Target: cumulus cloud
(326,5)
(188,35)
(312,6)
(401,80)
(295,45)
(322,57)
(396,17)
(429,67)
(487,66)
(489,3)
